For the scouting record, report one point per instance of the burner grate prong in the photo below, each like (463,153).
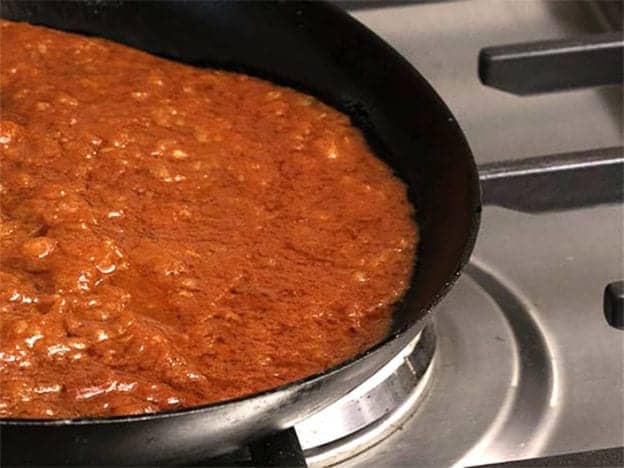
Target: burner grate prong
(555,182)
(556,65)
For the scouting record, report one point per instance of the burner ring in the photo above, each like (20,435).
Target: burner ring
(374,410)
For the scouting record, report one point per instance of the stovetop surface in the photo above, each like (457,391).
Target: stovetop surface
(442,40)
(530,303)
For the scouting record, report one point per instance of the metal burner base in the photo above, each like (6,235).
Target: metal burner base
(374,410)
(495,383)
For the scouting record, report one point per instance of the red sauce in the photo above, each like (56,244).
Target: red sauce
(173,236)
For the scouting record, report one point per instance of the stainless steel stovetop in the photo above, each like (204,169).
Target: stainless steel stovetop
(519,361)
(525,364)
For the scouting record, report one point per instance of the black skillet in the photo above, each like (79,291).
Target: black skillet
(317,48)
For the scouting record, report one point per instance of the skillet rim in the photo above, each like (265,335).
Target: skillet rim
(423,312)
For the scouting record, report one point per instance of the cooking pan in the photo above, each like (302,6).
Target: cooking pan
(319,49)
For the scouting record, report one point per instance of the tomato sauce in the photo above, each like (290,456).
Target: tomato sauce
(173,236)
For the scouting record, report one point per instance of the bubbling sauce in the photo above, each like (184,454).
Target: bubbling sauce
(173,236)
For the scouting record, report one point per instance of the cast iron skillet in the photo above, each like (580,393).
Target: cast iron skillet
(317,48)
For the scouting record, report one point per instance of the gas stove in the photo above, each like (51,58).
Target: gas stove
(519,361)
(522,363)
(525,364)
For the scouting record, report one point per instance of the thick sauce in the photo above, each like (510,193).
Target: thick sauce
(173,236)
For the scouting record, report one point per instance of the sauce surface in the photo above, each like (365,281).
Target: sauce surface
(173,236)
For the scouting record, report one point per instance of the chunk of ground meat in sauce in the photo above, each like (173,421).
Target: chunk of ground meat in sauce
(173,236)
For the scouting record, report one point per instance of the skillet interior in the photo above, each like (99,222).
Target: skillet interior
(293,44)
(317,49)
